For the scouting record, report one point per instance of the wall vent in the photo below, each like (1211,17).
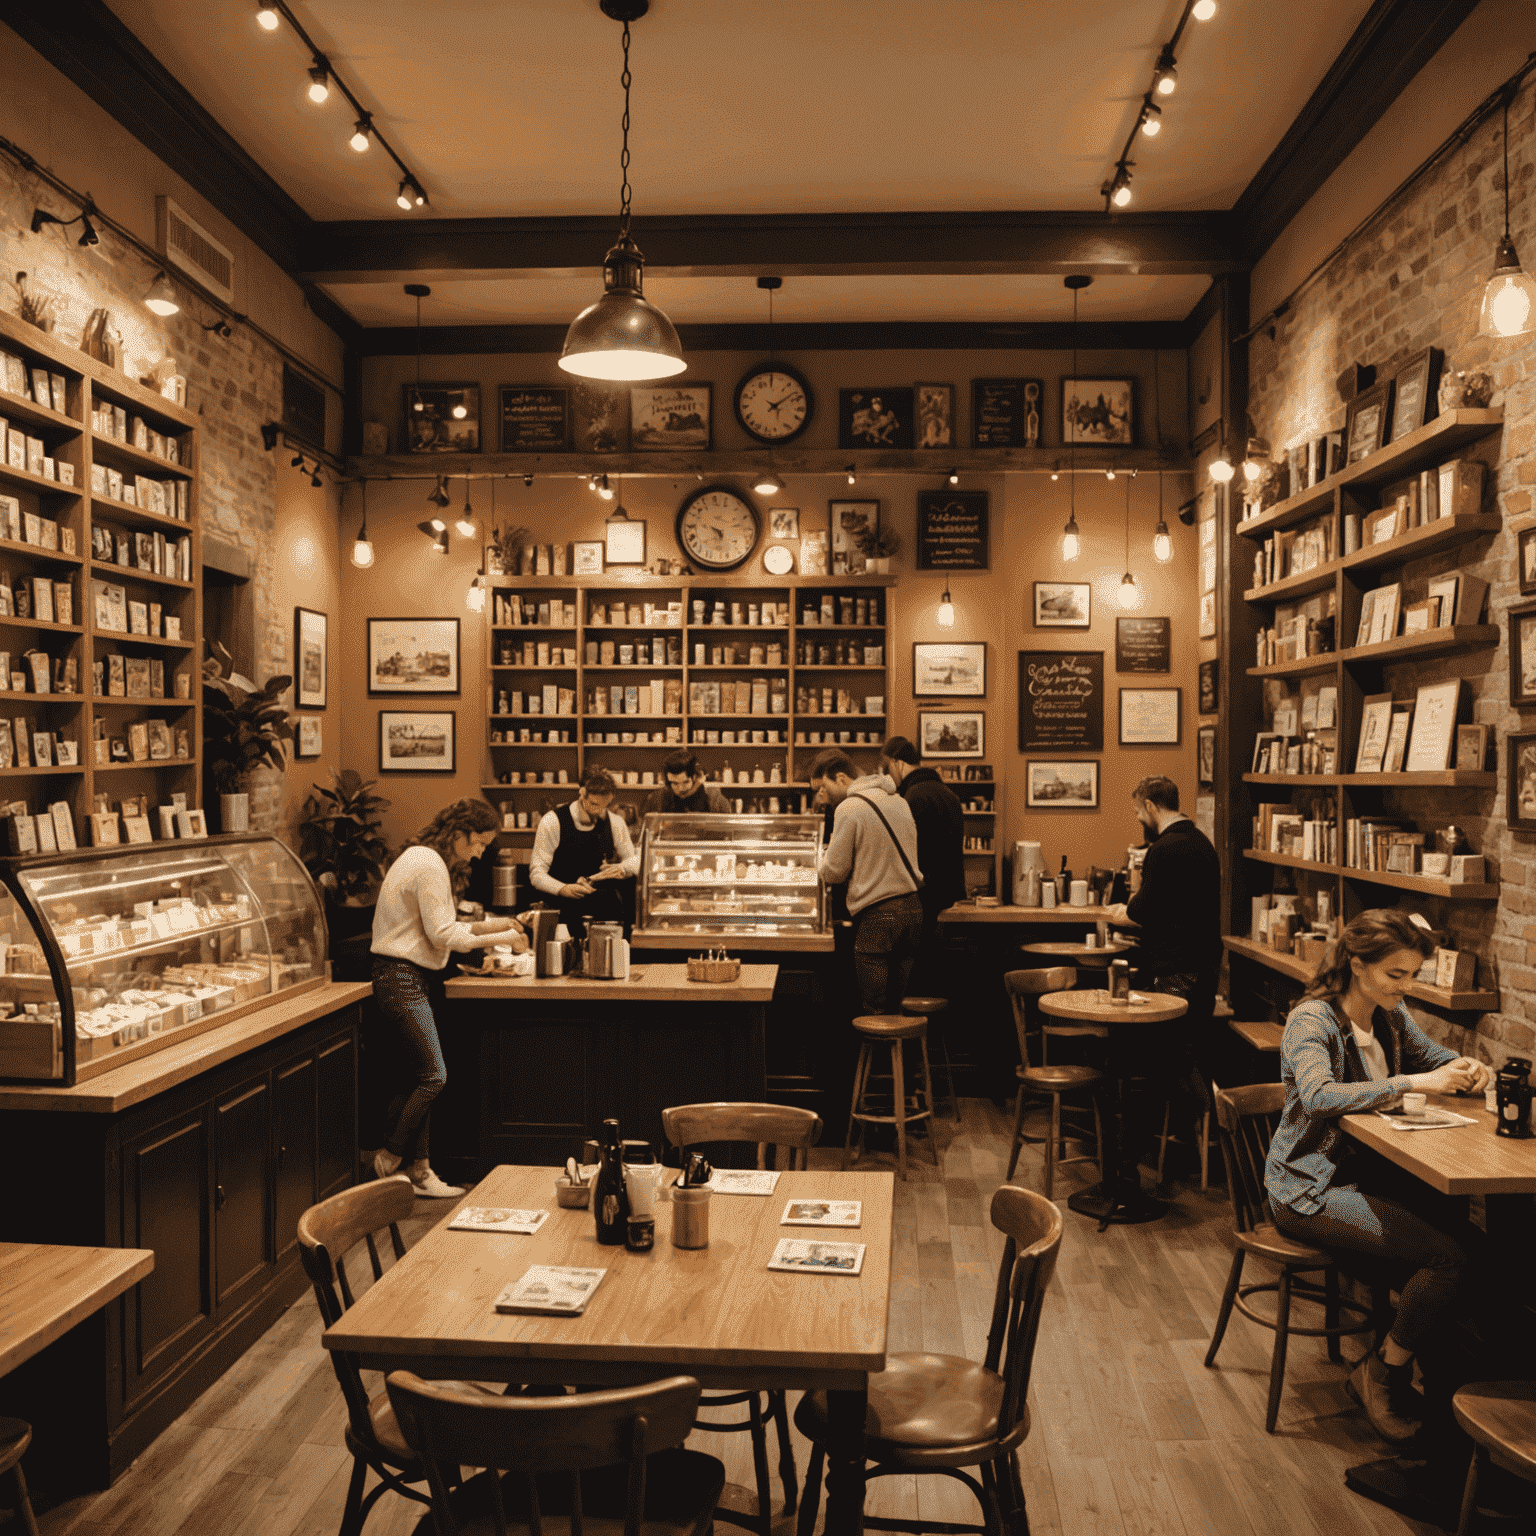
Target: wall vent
(303,409)
(186,244)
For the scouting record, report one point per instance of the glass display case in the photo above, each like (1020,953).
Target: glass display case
(114,953)
(719,877)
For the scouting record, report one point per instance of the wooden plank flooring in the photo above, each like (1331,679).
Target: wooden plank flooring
(1132,1434)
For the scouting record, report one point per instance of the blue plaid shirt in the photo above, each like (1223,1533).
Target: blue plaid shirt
(1324,1078)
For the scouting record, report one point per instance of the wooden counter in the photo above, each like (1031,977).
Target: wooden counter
(45,1289)
(673,939)
(646,984)
(1083,916)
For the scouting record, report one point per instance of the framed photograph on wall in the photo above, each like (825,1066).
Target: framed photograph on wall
(935,415)
(1097,411)
(1522,782)
(1210,677)
(1522,655)
(307,740)
(951,734)
(413,656)
(1205,755)
(1527,562)
(784,522)
(1207,615)
(310,658)
(413,742)
(1005,413)
(1413,393)
(624,539)
(849,521)
(1061,786)
(874,418)
(587,557)
(448,420)
(1367,421)
(949,669)
(535,418)
(1063,604)
(667,416)
(1149,717)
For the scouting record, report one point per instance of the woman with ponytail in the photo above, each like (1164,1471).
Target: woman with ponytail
(1351,1045)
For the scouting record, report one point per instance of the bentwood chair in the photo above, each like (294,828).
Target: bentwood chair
(595,1464)
(15,1437)
(1246,1119)
(941,1413)
(328,1232)
(1500,1419)
(769,1126)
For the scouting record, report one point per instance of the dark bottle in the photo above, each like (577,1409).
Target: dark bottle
(610,1197)
(1064,882)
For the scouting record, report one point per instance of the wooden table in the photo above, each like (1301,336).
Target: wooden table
(1118,1197)
(961,913)
(717,1314)
(1095,955)
(1464,1160)
(46,1289)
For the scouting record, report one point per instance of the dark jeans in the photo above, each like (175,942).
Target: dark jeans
(408,998)
(885,941)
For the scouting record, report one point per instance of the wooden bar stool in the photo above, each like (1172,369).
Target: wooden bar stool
(892,1029)
(15,1437)
(926,1007)
(1500,1419)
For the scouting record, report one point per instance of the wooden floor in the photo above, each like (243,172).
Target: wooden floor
(1131,1433)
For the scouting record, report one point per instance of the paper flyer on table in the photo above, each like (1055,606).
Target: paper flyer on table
(551,1290)
(806,1256)
(822,1213)
(493,1218)
(750,1181)
(1431,1120)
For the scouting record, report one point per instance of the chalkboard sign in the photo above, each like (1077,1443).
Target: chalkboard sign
(1005,413)
(1061,701)
(534,419)
(952,531)
(1143,645)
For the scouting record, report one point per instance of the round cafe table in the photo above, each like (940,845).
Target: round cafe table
(1119,1196)
(1097,955)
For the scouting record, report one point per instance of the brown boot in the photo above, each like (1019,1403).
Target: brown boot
(1371,1385)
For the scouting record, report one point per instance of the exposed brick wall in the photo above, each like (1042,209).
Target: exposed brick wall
(1411,280)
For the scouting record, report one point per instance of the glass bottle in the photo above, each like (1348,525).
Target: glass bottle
(610,1196)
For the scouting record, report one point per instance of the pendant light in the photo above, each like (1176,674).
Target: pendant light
(418,291)
(768,483)
(1509,299)
(945,617)
(1221,466)
(466,520)
(1071,541)
(1255,458)
(1128,595)
(161,297)
(362,547)
(1162,540)
(623,336)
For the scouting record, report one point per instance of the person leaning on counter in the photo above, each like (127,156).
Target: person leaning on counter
(582,851)
(940,834)
(685,789)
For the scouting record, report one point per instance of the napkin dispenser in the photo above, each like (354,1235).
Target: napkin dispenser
(603,950)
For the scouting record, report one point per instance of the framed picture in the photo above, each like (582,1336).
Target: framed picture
(415,743)
(1207,615)
(624,539)
(1375,726)
(1149,717)
(668,416)
(935,405)
(1367,421)
(535,419)
(1143,645)
(949,669)
(874,418)
(413,655)
(1522,782)
(1522,655)
(1472,747)
(951,735)
(953,531)
(307,742)
(599,417)
(784,522)
(310,658)
(1061,786)
(1528,562)
(587,557)
(448,420)
(1061,701)
(1205,755)
(1063,604)
(1005,413)
(849,521)
(1413,393)
(1210,677)
(1097,411)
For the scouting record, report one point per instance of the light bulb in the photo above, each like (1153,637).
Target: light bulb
(604,488)
(474,599)
(418,404)
(1167,80)
(853,479)
(1109,474)
(1221,469)
(162,297)
(267,18)
(954,477)
(319,86)
(466,524)
(944,617)
(1151,126)
(1162,543)
(1122,195)
(403,197)
(1509,300)
(1055,474)
(437,524)
(362,550)
(1129,596)
(1203,10)
(360,140)
(1071,543)
(767,484)
(1252,470)
(460,411)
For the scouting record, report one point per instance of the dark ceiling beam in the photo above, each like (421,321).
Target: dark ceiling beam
(789,245)
(1394,42)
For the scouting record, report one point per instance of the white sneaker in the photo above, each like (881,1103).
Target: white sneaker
(385,1163)
(429,1187)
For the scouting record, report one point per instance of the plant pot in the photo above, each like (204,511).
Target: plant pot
(235,813)
(878,565)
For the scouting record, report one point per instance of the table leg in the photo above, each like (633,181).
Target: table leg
(845,1461)
(1119,1197)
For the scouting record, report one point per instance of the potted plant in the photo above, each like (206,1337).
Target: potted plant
(341,847)
(507,551)
(243,727)
(877,546)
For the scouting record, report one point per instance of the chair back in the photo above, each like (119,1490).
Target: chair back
(328,1232)
(1032,1225)
(1021,986)
(1246,1119)
(449,1429)
(767,1126)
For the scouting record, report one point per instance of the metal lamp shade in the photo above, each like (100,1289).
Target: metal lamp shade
(622,336)
(1509,300)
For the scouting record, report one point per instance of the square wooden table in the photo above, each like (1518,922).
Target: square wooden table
(718,1314)
(1461,1160)
(46,1289)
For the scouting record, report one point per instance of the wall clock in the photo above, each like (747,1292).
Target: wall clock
(717,527)
(773,403)
(777,560)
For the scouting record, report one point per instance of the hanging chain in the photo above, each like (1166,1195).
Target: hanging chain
(1072,446)
(624,193)
(1507,95)
(1157,413)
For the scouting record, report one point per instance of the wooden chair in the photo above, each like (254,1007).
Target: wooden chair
(894,1030)
(621,1452)
(940,1413)
(770,1126)
(15,1437)
(1246,1119)
(327,1233)
(1055,1081)
(930,1008)
(1500,1418)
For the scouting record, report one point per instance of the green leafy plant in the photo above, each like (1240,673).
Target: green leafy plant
(508,544)
(243,726)
(877,541)
(341,846)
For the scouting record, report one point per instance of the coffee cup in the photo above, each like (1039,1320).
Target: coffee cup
(1413,1105)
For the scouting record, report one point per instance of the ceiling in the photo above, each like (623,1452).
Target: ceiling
(508,110)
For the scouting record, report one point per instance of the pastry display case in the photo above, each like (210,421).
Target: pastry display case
(708,877)
(114,953)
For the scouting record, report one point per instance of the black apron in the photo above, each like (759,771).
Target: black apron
(579,854)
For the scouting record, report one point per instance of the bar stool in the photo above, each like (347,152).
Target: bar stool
(15,1437)
(892,1029)
(926,1007)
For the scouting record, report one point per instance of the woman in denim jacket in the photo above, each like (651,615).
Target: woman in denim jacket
(1351,1045)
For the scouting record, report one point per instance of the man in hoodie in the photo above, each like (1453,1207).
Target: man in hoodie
(940,832)
(874,848)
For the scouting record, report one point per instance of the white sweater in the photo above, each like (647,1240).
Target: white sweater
(416,917)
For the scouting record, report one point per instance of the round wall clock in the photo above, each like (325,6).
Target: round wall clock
(773,403)
(777,560)
(717,527)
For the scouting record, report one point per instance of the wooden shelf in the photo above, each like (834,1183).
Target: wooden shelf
(1428,642)
(1298,970)
(738,666)
(148,762)
(1425,884)
(36,551)
(117,701)
(106,511)
(1428,539)
(11,621)
(129,637)
(833,666)
(77,769)
(134,573)
(114,451)
(16,410)
(31,482)
(617,583)
(1451,778)
(1315,580)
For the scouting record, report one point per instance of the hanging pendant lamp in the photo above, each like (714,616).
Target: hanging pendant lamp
(767,482)
(1128,594)
(1509,299)
(623,336)
(1071,541)
(418,291)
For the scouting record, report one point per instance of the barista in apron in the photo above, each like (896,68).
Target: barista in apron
(583,854)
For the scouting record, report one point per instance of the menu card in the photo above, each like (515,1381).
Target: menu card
(822,1213)
(732,1181)
(798,1256)
(490,1218)
(551,1290)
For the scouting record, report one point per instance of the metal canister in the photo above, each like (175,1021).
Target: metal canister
(1119,981)
(504,880)
(1512,1092)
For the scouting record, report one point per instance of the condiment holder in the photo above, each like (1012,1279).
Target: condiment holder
(572,1196)
(716,966)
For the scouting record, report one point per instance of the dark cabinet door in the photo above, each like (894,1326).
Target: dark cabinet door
(242,1198)
(337,1135)
(166,1207)
(293,1107)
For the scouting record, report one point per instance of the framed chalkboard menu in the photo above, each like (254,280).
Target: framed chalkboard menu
(952,531)
(534,419)
(1143,645)
(1005,413)
(1061,701)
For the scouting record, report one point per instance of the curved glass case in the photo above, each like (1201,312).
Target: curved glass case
(114,953)
(706,876)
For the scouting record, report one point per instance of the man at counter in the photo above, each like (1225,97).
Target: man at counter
(874,848)
(583,852)
(940,833)
(685,789)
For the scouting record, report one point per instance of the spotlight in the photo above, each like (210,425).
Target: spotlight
(853,478)
(1109,474)
(319,84)
(767,484)
(466,518)
(315,479)
(604,488)
(360,139)
(1166,79)
(1187,512)
(439,494)
(219,328)
(441,547)
(432,527)
(474,599)
(1118,190)
(1151,118)
(403,197)
(297,462)
(88,235)
(1203,10)
(1055,474)
(944,617)
(1128,595)
(1071,541)
(954,477)
(269,431)
(161,297)
(267,18)
(460,411)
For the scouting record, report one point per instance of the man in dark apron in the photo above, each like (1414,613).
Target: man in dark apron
(583,858)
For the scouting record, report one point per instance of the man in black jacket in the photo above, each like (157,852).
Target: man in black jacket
(685,789)
(940,844)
